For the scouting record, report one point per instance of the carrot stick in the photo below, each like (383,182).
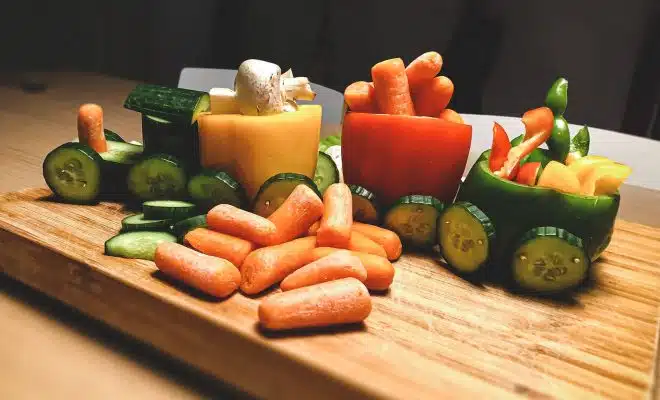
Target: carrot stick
(391,88)
(233,221)
(434,97)
(423,69)
(298,212)
(266,266)
(380,272)
(342,301)
(360,97)
(389,240)
(314,228)
(90,127)
(450,115)
(335,228)
(338,265)
(212,275)
(360,242)
(218,244)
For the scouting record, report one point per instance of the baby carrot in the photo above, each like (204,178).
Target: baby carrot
(298,212)
(423,69)
(450,115)
(218,244)
(90,127)
(335,228)
(391,88)
(360,242)
(338,265)
(212,275)
(342,301)
(233,221)
(268,265)
(389,240)
(360,97)
(434,97)
(380,272)
(314,228)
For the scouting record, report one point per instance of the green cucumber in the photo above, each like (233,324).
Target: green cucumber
(329,141)
(184,226)
(211,187)
(178,139)
(365,207)
(173,210)
(73,171)
(168,103)
(122,153)
(326,172)
(414,219)
(549,260)
(112,136)
(138,244)
(465,235)
(157,177)
(118,160)
(276,189)
(138,222)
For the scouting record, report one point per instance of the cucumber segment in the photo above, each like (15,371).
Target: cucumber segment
(184,226)
(112,136)
(414,219)
(138,244)
(549,260)
(122,153)
(168,209)
(157,177)
(168,103)
(365,207)
(276,189)
(326,172)
(138,222)
(465,235)
(210,188)
(73,172)
(178,139)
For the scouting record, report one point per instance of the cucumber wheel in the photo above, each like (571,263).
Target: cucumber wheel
(326,172)
(414,219)
(138,244)
(365,207)
(182,227)
(73,172)
(210,188)
(276,189)
(157,177)
(138,222)
(173,210)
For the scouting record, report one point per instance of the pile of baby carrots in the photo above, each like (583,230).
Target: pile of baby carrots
(324,261)
(398,89)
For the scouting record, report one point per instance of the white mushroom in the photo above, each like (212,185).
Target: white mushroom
(223,101)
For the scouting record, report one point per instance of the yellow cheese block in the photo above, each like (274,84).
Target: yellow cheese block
(254,148)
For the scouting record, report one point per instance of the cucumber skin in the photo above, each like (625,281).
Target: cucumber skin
(329,159)
(87,151)
(367,195)
(152,210)
(168,103)
(224,177)
(177,139)
(149,225)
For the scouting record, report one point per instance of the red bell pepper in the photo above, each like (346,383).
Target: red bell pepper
(529,173)
(499,149)
(397,155)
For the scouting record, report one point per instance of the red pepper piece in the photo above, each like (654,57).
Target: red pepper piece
(529,173)
(499,149)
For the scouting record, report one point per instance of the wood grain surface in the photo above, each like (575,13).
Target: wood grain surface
(432,334)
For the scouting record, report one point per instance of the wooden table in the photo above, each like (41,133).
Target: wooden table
(65,353)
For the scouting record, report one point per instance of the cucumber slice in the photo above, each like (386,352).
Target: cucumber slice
(365,207)
(138,244)
(549,260)
(138,222)
(168,103)
(180,140)
(182,227)
(210,188)
(326,172)
(73,172)
(335,153)
(157,177)
(465,235)
(173,210)
(112,136)
(276,189)
(122,153)
(414,219)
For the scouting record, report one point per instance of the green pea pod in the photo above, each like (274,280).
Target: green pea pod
(557,97)
(580,142)
(559,141)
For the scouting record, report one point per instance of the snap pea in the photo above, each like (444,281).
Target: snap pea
(557,97)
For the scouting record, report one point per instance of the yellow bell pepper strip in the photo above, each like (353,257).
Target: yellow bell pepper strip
(499,149)
(557,176)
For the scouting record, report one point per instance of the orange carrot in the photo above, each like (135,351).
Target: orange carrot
(391,88)
(434,97)
(335,228)
(268,265)
(450,115)
(338,265)
(90,127)
(314,228)
(233,221)
(360,242)
(212,275)
(342,301)
(423,69)
(389,240)
(298,212)
(360,97)
(380,272)
(218,244)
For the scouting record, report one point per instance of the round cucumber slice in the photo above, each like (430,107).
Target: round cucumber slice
(326,172)
(139,244)
(276,189)
(414,219)
(138,222)
(365,206)
(73,172)
(210,188)
(157,177)
(182,227)
(168,209)
(549,260)
(465,235)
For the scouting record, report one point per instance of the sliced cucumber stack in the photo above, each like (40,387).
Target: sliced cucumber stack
(549,260)
(138,222)
(138,244)
(168,103)
(465,235)
(73,172)
(172,210)
(182,227)
(414,219)
(211,187)
(157,177)
(365,207)
(326,172)
(276,189)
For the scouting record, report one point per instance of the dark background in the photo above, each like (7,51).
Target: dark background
(501,54)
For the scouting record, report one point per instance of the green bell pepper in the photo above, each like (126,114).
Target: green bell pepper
(557,97)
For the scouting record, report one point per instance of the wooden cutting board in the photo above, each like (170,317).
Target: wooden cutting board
(431,335)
